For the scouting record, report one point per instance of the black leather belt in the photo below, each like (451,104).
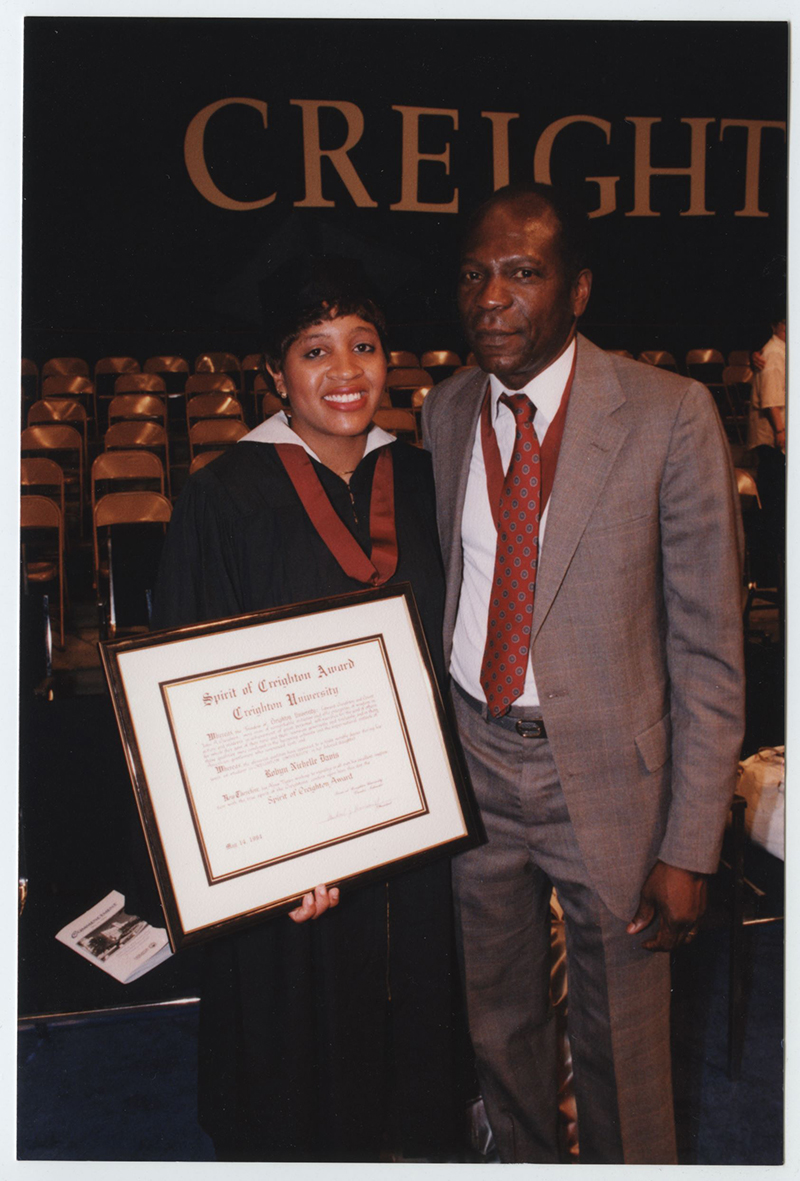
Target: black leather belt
(527,727)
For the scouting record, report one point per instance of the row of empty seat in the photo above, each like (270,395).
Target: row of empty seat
(702,364)
(258,403)
(175,370)
(107,369)
(64,444)
(170,375)
(124,407)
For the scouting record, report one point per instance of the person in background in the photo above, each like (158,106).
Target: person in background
(590,530)
(336,1039)
(766,437)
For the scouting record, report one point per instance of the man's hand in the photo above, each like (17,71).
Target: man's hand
(758,360)
(315,904)
(678,897)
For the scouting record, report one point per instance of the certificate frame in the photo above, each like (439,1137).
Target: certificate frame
(277,750)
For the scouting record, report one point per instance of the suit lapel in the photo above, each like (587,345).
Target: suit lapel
(592,437)
(459,453)
(464,426)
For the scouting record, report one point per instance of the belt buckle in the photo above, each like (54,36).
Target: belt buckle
(534,728)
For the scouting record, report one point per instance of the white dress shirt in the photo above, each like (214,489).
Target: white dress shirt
(768,391)
(478,532)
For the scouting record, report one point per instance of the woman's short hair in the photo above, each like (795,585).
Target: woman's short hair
(305,290)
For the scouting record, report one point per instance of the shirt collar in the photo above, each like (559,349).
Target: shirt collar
(545,390)
(276,429)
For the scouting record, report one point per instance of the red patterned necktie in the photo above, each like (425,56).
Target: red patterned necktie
(505,658)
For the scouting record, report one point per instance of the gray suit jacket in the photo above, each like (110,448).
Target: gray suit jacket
(637,637)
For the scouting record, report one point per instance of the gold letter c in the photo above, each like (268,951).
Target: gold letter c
(194,155)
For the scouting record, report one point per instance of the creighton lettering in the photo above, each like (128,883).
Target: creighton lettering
(264,685)
(263,707)
(428,181)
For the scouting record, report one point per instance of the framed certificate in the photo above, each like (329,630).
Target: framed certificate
(283,749)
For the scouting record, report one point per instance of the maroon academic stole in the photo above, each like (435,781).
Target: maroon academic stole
(348,553)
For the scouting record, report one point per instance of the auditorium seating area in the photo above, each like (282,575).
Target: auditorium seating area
(98,430)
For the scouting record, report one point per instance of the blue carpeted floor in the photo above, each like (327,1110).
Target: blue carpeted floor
(719,1121)
(123,1088)
(111,1089)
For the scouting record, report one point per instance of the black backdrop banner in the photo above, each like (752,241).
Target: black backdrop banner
(170,163)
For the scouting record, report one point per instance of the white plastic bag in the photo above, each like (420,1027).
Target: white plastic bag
(761,782)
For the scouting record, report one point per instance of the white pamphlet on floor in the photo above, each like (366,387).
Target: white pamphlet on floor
(119,943)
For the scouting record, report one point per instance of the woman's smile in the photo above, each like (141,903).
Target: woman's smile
(334,374)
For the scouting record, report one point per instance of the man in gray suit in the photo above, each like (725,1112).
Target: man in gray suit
(590,530)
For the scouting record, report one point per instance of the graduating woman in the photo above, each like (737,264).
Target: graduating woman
(330,1034)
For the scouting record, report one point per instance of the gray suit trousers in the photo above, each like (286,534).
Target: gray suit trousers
(618,993)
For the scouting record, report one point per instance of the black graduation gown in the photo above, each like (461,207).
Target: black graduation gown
(329,1040)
